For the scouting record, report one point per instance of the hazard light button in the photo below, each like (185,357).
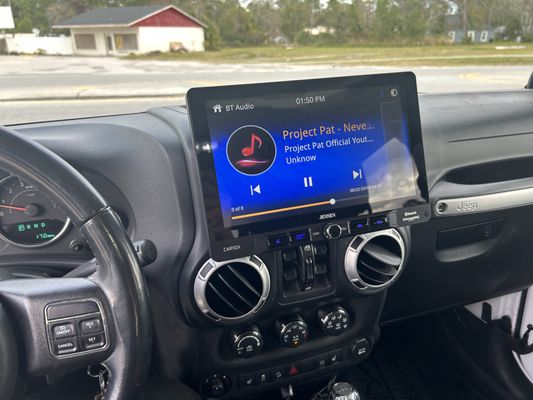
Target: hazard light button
(293,369)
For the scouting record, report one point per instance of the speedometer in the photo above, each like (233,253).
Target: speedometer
(27,217)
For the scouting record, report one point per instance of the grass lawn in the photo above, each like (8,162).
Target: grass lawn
(438,55)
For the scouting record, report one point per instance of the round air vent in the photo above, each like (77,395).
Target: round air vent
(232,290)
(373,261)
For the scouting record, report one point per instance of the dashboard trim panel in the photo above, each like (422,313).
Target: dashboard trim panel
(483,203)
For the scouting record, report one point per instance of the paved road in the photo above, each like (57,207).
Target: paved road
(46,88)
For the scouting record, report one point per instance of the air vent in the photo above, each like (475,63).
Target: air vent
(232,290)
(373,261)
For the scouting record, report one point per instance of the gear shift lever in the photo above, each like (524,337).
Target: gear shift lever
(343,391)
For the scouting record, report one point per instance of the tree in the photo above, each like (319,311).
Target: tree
(31,14)
(265,16)
(294,17)
(386,21)
(345,19)
(412,19)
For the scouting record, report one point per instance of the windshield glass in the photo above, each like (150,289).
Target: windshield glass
(64,59)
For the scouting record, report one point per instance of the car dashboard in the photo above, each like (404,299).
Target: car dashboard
(476,245)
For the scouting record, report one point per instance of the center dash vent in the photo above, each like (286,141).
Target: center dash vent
(373,261)
(232,290)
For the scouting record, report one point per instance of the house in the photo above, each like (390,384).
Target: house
(6,18)
(138,30)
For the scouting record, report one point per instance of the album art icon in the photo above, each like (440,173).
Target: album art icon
(251,150)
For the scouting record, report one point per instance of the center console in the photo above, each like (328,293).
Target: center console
(309,188)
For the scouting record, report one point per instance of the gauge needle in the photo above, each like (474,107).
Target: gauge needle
(23,209)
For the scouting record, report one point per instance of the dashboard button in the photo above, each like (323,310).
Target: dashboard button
(322,361)
(262,377)
(300,237)
(247,380)
(293,369)
(335,356)
(277,241)
(379,222)
(277,373)
(290,255)
(65,346)
(94,341)
(359,226)
(91,325)
(63,330)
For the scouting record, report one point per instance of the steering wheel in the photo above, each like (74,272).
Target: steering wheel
(66,323)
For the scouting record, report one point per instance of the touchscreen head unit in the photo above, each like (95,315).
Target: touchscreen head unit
(279,162)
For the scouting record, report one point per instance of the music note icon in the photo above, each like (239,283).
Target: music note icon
(249,151)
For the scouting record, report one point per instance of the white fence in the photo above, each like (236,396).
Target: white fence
(28,43)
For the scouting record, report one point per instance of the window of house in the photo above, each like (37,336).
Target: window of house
(85,41)
(124,42)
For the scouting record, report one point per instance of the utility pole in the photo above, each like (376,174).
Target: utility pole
(465,20)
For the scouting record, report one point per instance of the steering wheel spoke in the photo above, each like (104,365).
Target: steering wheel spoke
(63,323)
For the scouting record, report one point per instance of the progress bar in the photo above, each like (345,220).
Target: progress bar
(322,203)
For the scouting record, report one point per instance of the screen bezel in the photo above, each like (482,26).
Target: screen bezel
(198,98)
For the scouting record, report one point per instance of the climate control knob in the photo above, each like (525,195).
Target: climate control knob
(292,331)
(332,231)
(246,342)
(334,320)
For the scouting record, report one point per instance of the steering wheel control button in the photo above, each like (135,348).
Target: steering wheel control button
(94,341)
(63,330)
(91,325)
(65,346)
(334,320)
(68,310)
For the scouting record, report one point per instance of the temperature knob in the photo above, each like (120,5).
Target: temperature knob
(333,321)
(292,331)
(246,342)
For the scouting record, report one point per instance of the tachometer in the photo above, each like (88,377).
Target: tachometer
(27,217)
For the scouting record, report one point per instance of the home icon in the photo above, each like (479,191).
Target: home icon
(217,109)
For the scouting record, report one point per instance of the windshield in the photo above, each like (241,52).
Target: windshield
(69,59)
